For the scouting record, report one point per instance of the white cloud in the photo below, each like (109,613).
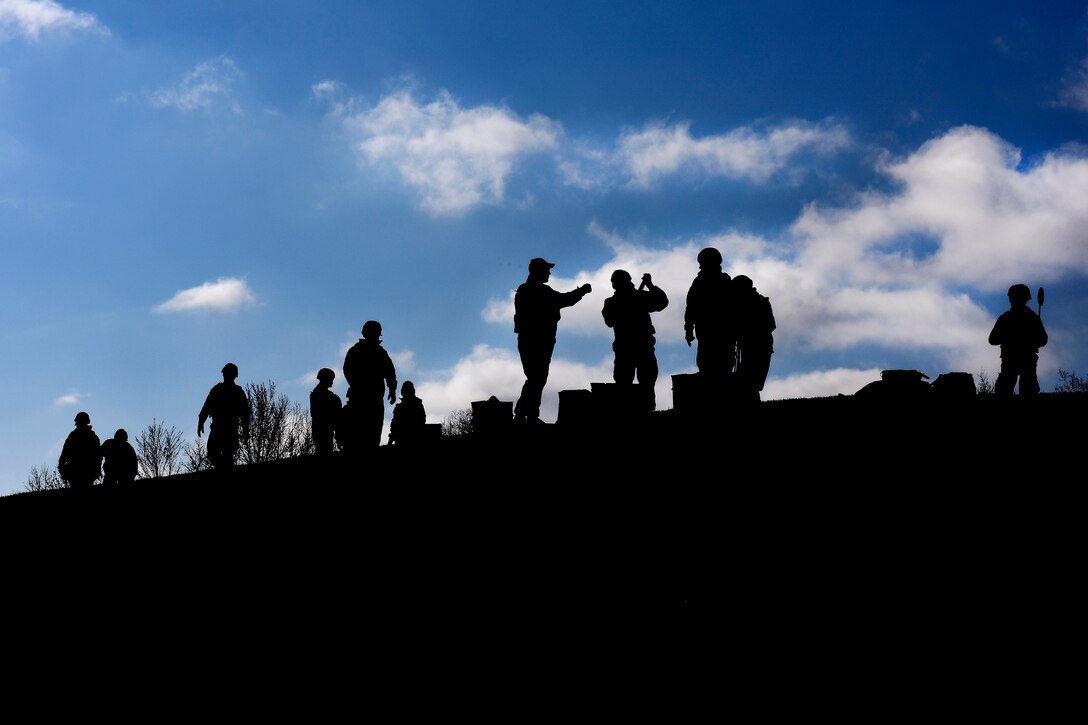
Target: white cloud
(744,153)
(226,294)
(31,19)
(208,87)
(455,158)
(70,399)
(964,213)
(819,384)
(1074,92)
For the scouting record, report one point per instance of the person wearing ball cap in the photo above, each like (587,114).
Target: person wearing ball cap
(536,319)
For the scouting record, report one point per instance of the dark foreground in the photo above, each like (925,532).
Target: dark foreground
(804,533)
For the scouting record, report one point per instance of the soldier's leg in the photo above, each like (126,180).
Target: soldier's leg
(647,375)
(623,369)
(536,358)
(1006,379)
(1029,376)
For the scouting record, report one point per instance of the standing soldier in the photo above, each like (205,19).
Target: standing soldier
(80,461)
(1020,333)
(368,370)
(755,338)
(627,312)
(325,407)
(708,318)
(228,407)
(536,319)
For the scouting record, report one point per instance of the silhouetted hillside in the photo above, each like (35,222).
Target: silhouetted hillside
(799,508)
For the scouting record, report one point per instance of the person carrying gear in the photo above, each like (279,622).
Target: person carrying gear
(755,338)
(1020,333)
(627,312)
(80,463)
(228,406)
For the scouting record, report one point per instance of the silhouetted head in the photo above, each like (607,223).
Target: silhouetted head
(621,278)
(709,258)
(121,435)
(230,371)
(742,282)
(372,330)
(326,375)
(536,264)
(1019,294)
(82,418)
(407,389)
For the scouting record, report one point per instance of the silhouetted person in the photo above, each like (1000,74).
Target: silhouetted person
(369,371)
(709,318)
(80,463)
(325,409)
(119,461)
(755,338)
(536,319)
(1020,333)
(228,406)
(627,312)
(409,418)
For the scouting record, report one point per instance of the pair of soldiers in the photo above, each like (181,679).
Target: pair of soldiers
(734,326)
(83,458)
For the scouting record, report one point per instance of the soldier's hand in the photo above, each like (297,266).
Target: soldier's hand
(199,430)
(689,335)
(392,397)
(586,288)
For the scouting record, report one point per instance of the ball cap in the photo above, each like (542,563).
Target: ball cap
(539,263)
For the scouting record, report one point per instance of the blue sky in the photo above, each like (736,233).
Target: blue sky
(184,184)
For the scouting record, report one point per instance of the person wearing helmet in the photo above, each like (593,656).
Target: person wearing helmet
(755,338)
(627,312)
(709,318)
(409,418)
(119,461)
(536,319)
(1020,333)
(80,463)
(228,406)
(368,370)
(325,407)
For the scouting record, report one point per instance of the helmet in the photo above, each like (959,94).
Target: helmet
(709,256)
(1019,293)
(83,418)
(621,275)
(742,281)
(326,374)
(121,434)
(230,369)
(407,387)
(372,330)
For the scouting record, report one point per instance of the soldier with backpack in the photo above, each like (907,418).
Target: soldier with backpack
(1020,333)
